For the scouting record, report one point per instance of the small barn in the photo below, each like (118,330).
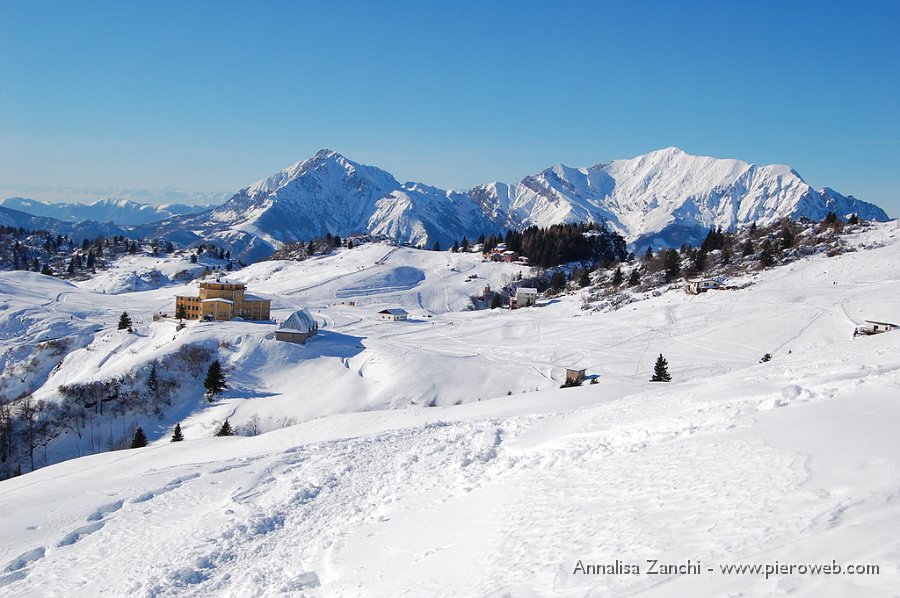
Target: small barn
(874,327)
(297,328)
(394,314)
(574,376)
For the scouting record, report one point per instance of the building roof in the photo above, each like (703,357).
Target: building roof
(527,290)
(219,299)
(882,323)
(252,297)
(299,321)
(394,311)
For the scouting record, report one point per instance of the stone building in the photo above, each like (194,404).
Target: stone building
(223,301)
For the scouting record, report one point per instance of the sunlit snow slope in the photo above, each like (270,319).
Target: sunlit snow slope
(796,460)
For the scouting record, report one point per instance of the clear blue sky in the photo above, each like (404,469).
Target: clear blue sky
(214,95)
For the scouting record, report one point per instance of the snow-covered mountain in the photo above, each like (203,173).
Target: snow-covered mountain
(665,197)
(85,229)
(327,193)
(119,211)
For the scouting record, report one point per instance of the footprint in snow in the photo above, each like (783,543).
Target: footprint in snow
(81,532)
(22,561)
(150,494)
(105,510)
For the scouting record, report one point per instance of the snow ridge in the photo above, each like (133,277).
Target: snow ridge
(665,197)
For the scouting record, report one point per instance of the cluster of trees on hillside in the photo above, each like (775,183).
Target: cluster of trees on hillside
(318,246)
(60,255)
(556,245)
(100,414)
(723,253)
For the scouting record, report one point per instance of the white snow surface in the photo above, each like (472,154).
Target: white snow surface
(796,460)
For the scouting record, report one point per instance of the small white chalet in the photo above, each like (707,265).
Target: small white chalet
(297,328)
(525,297)
(874,327)
(695,287)
(394,314)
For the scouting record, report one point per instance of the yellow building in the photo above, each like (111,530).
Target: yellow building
(223,301)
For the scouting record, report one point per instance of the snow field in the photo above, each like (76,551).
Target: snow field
(792,460)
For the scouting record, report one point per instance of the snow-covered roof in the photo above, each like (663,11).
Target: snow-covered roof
(299,321)
(394,311)
(251,297)
(526,291)
(219,299)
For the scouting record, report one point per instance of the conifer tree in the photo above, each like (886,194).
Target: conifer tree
(215,380)
(124,321)
(767,255)
(585,279)
(748,248)
(225,430)
(153,381)
(618,277)
(180,312)
(661,370)
(139,440)
(853,219)
(673,265)
(177,435)
(634,278)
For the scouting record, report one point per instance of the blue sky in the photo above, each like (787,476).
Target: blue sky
(214,95)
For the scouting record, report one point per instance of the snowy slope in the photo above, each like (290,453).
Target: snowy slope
(796,460)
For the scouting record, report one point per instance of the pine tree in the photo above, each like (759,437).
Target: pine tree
(787,238)
(558,280)
(139,440)
(673,265)
(46,270)
(618,277)
(153,381)
(748,248)
(853,219)
(91,260)
(585,279)
(180,312)
(661,370)
(215,380)
(767,255)
(177,435)
(634,278)
(124,321)
(225,430)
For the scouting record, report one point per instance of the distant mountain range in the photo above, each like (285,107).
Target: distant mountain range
(119,211)
(86,229)
(666,197)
